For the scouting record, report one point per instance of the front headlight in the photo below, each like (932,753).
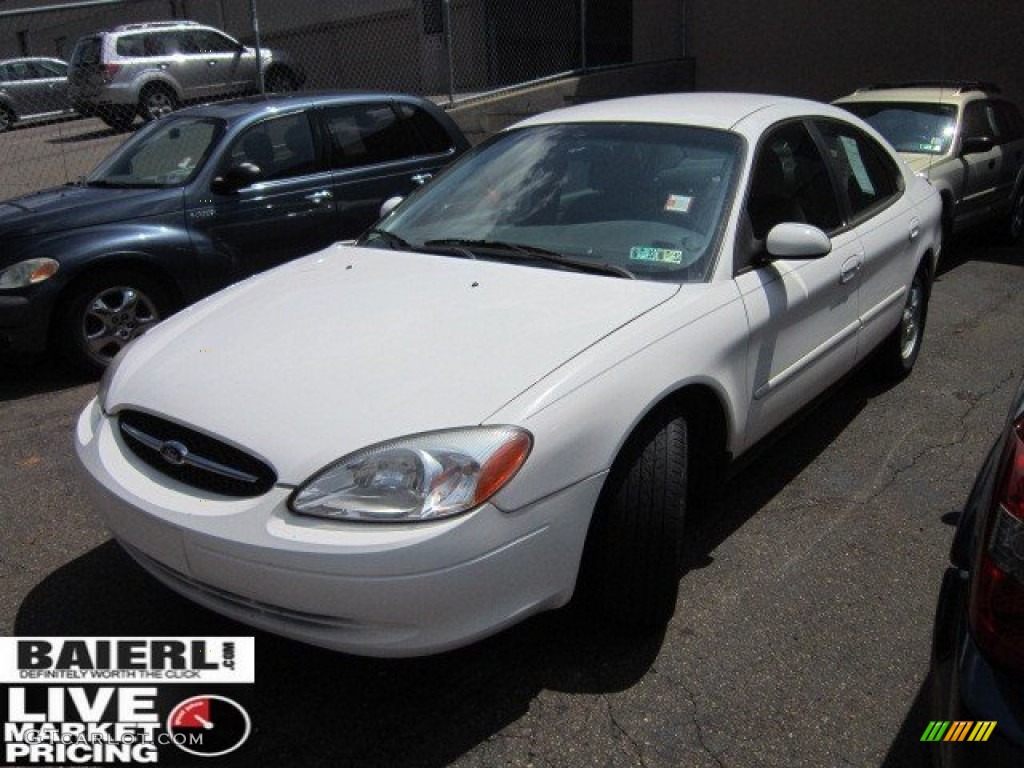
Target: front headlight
(28,272)
(422,477)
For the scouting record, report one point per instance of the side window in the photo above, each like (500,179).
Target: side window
(430,134)
(19,70)
(790,182)
(1008,120)
(282,147)
(980,120)
(866,173)
(5,73)
(52,69)
(199,41)
(365,134)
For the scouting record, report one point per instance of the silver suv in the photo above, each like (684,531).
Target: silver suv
(150,69)
(967,140)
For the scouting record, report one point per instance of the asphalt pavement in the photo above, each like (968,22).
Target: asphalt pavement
(800,637)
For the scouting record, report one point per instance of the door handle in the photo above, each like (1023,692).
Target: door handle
(211,63)
(319,197)
(850,269)
(915,229)
(422,178)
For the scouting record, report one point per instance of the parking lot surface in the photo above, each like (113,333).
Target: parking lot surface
(802,628)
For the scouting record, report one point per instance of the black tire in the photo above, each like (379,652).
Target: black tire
(1014,227)
(118,118)
(105,311)
(155,101)
(7,119)
(898,353)
(281,80)
(635,547)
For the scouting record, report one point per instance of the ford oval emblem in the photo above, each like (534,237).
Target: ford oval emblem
(174,452)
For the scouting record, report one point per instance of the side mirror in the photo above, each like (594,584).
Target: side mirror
(790,240)
(236,177)
(389,205)
(973,145)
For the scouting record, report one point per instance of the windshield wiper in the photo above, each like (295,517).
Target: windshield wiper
(390,238)
(535,253)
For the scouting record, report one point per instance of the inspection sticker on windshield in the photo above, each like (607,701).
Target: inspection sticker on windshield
(679,203)
(659,255)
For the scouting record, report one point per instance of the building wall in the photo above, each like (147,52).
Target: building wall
(826,48)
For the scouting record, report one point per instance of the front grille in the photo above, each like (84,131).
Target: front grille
(193,458)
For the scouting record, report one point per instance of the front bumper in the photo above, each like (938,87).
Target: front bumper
(379,590)
(24,322)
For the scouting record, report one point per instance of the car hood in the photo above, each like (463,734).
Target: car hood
(70,207)
(352,346)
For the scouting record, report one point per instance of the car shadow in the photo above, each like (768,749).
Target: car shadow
(907,750)
(978,245)
(773,464)
(332,708)
(79,138)
(22,377)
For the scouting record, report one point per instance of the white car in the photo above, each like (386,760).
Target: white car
(398,447)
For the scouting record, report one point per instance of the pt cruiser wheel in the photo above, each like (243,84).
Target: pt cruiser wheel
(105,313)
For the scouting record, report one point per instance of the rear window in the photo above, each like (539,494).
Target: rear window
(87,51)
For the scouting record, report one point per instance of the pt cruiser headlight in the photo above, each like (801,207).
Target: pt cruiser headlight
(423,477)
(28,272)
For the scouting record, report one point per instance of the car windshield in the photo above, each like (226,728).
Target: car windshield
(922,129)
(166,153)
(629,199)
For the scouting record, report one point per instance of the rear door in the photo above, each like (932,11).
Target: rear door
(871,189)
(288,212)
(50,81)
(381,149)
(802,312)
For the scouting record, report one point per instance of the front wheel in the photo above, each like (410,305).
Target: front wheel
(6,119)
(899,351)
(105,312)
(634,551)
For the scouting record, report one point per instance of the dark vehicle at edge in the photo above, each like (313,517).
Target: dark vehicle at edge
(977,673)
(200,199)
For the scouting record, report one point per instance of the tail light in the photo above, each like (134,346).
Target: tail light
(109,70)
(997,594)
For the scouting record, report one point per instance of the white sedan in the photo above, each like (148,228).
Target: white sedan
(522,376)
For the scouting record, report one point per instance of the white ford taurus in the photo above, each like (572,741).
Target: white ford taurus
(398,447)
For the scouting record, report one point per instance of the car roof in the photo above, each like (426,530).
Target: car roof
(32,58)
(922,95)
(724,111)
(237,109)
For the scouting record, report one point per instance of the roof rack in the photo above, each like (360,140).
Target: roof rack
(156,25)
(958,86)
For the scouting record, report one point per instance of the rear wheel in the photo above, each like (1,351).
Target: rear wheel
(1015,222)
(634,551)
(103,313)
(6,119)
(156,101)
(281,80)
(119,118)
(899,351)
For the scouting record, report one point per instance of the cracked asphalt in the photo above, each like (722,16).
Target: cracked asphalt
(802,629)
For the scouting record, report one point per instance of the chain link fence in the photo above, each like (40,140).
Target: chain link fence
(448,50)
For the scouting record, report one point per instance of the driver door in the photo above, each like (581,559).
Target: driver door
(802,313)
